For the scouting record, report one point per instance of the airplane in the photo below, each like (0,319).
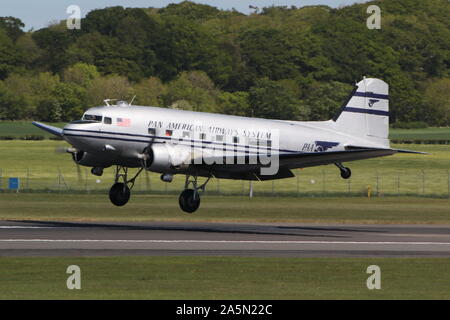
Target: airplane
(207,145)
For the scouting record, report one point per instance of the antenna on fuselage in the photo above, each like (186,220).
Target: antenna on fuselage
(131,102)
(107,102)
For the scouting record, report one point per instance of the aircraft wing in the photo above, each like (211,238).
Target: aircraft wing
(53,130)
(288,161)
(304,160)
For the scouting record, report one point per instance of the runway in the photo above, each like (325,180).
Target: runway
(59,238)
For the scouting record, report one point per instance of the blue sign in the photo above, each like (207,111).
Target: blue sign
(13,183)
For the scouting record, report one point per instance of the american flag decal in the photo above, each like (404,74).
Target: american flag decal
(123,122)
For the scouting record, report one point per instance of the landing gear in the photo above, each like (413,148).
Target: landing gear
(345,172)
(120,192)
(189,199)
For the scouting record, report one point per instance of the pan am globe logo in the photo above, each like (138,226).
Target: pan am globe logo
(372,102)
(322,146)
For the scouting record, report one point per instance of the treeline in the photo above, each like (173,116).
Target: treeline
(284,62)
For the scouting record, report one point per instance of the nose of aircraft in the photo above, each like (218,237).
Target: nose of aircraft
(76,133)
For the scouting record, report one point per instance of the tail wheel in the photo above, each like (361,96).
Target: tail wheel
(346,173)
(119,194)
(189,200)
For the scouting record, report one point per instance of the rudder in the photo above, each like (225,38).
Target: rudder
(366,113)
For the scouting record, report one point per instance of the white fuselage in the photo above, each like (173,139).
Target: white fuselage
(123,132)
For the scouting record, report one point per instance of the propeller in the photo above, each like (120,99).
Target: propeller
(72,151)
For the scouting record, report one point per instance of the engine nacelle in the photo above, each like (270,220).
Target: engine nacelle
(164,157)
(86,159)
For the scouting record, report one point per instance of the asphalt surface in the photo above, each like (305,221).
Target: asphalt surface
(59,238)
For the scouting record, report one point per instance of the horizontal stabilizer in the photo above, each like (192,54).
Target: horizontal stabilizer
(409,151)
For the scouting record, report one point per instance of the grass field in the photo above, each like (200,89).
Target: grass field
(223,278)
(420,134)
(23,128)
(40,168)
(69,207)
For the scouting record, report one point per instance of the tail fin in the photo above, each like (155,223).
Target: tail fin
(366,113)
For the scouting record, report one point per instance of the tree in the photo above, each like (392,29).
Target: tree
(12,107)
(10,57)
(236,103)
(324,99)
(149,92)
(270,53)
(81,74)
(110,87)
(193,87)
(269,99)
(12,26)
(108,54)
(437,102)
(54,42)
(190,10)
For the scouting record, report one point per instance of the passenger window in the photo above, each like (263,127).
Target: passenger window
(253,142)
(219,138)
(264,143)
(107,120)
(186,134)
(152,131)
(169,133)
(235,139)
(203,136)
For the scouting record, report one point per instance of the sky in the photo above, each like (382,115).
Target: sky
(38,14)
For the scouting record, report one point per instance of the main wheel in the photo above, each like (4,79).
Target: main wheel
(346,173)
(189,200)
(119,194)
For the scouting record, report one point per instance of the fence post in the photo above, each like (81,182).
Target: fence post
(85,180)
(323,181)
(378,190)
(251,189)
(27,181)
(148,183)
(348,185)
(59,181)
(423,181)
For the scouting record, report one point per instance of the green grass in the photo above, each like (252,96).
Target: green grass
(23,128)
(420,134)
(223,278)
(38,166)
(69,207)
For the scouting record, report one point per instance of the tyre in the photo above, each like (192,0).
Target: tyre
(346,173)
(119,194)
(189,203)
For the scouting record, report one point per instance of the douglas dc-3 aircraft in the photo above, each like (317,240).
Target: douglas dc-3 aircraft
(198,144)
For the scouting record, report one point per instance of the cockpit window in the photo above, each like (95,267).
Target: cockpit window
(92,117)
